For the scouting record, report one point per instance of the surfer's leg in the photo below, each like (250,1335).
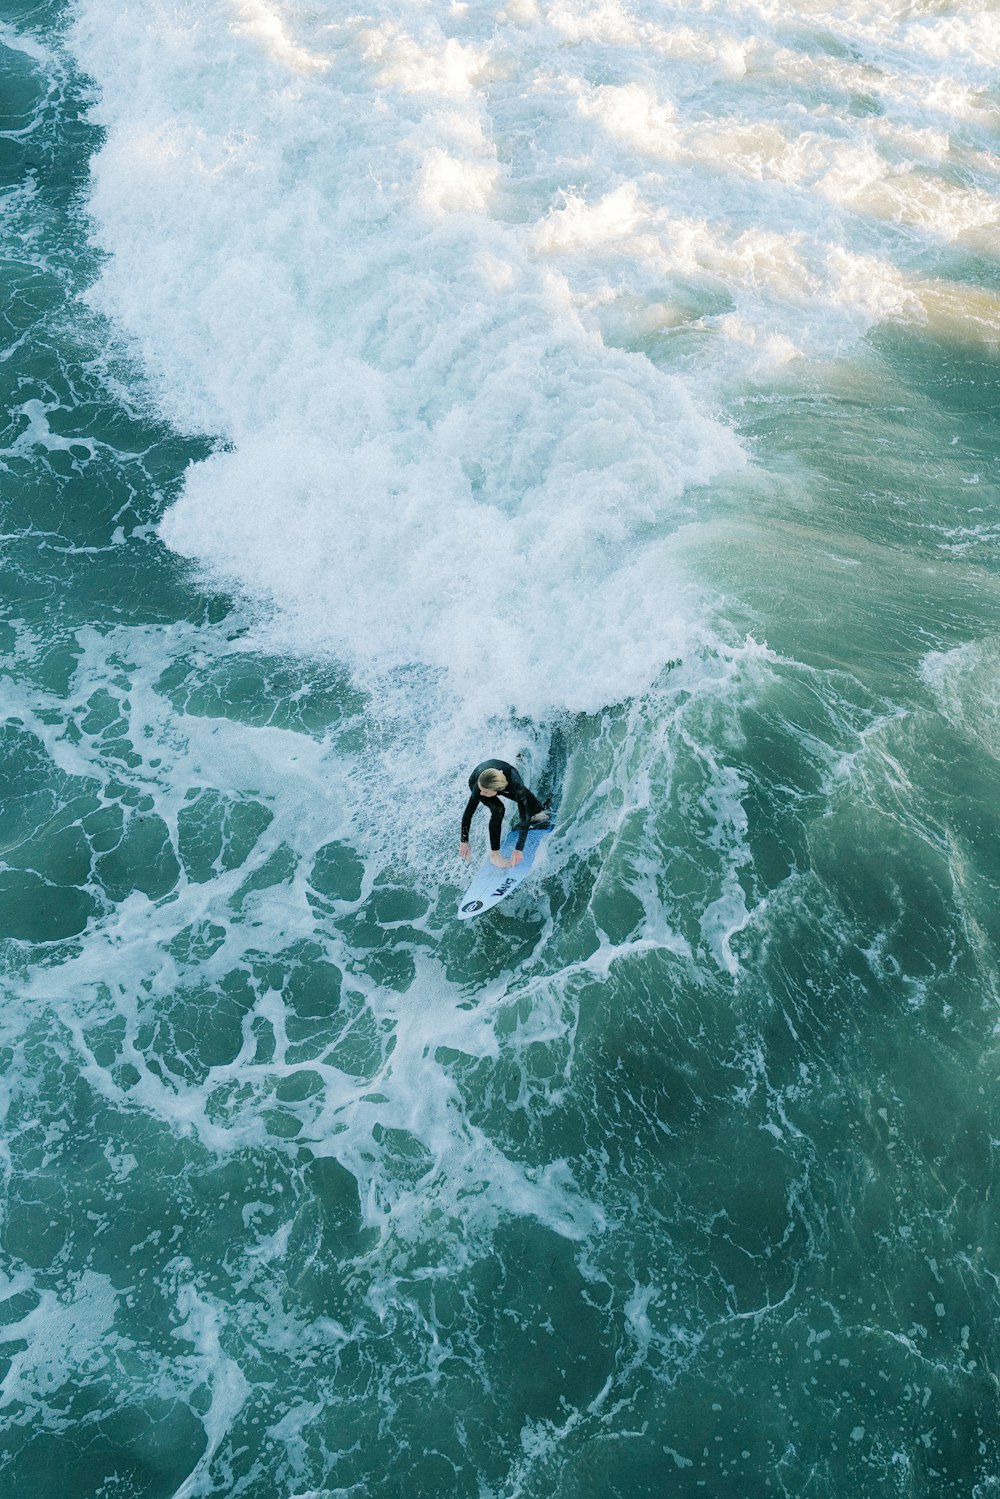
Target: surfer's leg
(496,822)
(537,815)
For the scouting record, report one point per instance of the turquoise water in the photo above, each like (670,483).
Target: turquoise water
(389,389)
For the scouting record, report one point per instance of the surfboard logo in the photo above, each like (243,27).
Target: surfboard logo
(473,905)
(502,889)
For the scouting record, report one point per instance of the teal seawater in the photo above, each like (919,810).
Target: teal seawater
(674,1176)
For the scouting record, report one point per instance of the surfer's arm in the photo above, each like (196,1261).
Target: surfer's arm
(470,808)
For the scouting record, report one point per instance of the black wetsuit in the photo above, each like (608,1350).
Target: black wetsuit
(515,791)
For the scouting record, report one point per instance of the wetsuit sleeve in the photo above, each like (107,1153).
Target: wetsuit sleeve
(471,806)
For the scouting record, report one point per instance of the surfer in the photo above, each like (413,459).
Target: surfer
(488,783)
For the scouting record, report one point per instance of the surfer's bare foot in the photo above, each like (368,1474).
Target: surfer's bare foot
(499,860)
(540,820)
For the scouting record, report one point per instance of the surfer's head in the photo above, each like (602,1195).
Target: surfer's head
(491,781)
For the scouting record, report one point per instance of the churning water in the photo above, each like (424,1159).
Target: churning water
(392,387)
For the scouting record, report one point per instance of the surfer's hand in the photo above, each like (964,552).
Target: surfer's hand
(497,858)
(464,850)
(516,856)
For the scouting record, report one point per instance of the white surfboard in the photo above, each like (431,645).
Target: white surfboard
(491,885)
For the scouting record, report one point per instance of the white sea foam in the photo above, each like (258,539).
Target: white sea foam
(414,467)
(60,1333)
(377,255)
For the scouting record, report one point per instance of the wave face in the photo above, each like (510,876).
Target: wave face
(611,386)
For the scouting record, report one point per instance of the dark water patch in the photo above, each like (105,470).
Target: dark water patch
(45,139)
(116,1450)
(36,910)
(564,1358)
(323,1017)
(216,832)
(337,875)
(264,691)
(143,860)
(960,379)
(197,1028)
(898,436)
(327,1276)
(313,1019)
(846,553)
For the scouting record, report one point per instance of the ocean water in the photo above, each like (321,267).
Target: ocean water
(612,383)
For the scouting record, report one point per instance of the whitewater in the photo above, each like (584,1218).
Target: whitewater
(613,385)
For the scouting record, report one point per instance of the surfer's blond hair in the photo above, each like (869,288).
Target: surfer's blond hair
(492,780)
